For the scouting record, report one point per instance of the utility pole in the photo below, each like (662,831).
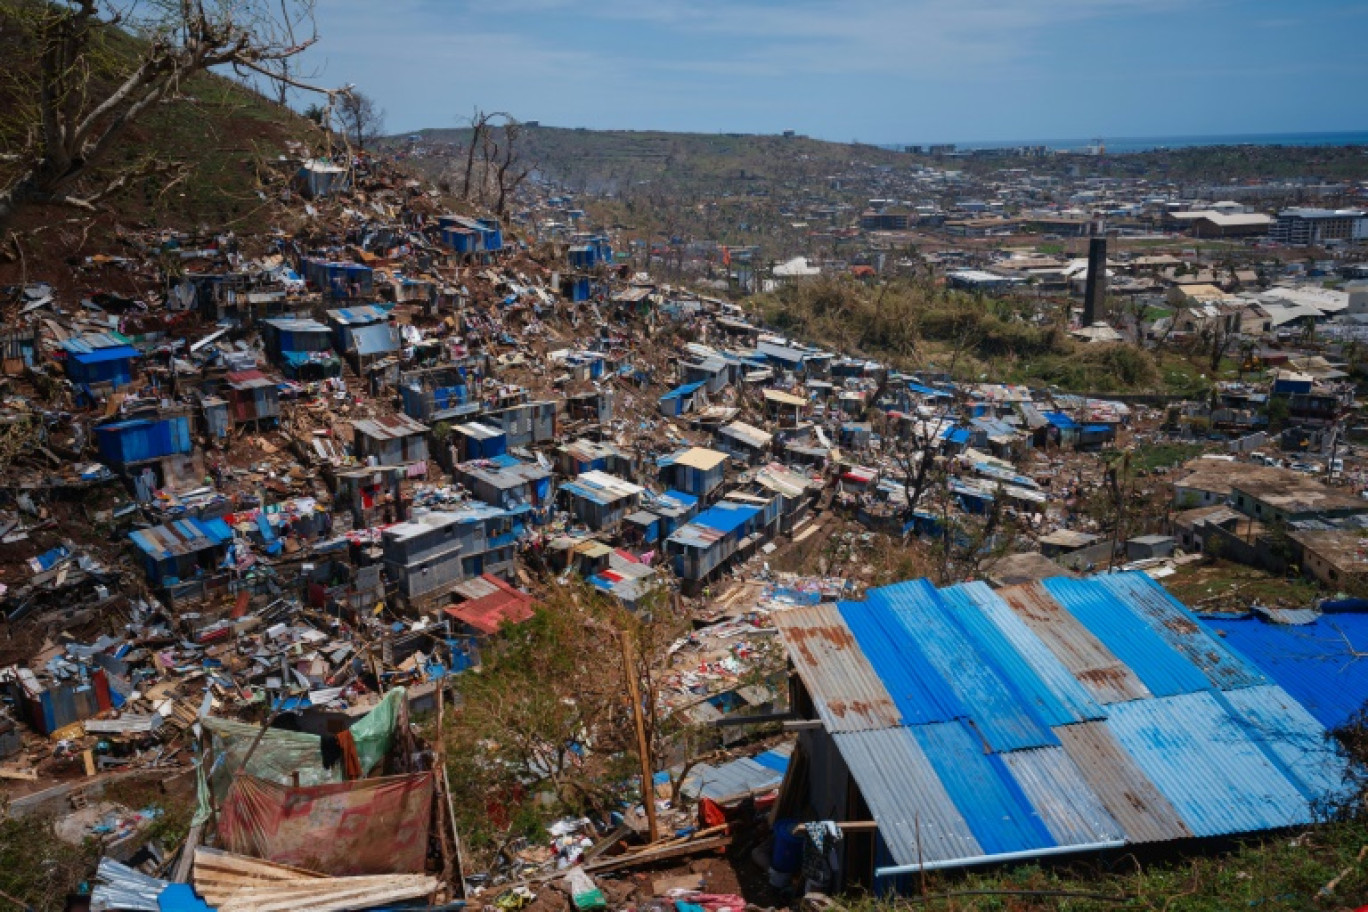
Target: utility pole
(643,749)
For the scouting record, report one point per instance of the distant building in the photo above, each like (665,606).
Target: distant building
(1304,226)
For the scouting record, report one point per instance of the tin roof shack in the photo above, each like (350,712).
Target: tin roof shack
(1146,547)
(364,335)
(100,363)
(694,470)
(186,559)
(1057,718)
(301,348)
(47,704)
(1272,495)
(475,440)
(525,424)
(661,515)
(595,406)
(784,408)
(745,442)
(152,453)
(628,580)
(684,399)
(521,488)
(599,500)
(471,236)
(391,440)
(713,372)
(253,398)
(437,393)
(1338,558)
(1062,542)
(430,554)
(490,605)
(714,541)
(797,493)
(340,281)
(589,455)
(372,494)
(318,178)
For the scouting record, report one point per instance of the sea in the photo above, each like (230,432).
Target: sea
(1123,144)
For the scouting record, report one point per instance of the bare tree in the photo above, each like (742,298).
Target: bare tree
(505,163)
(360,118)
(76,99)
(479,125)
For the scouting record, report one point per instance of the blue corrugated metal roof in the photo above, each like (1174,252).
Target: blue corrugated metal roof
(911,682)
(1201,759)
(934,700)
(1178,627)
(997,810)
(1162,669)
(1061,420)
(1039,677)
(1004,719)
(1293,737)
(101,355)
(1316,663)
(725,517)
(685,390)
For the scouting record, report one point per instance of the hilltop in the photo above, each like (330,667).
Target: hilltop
(224,132)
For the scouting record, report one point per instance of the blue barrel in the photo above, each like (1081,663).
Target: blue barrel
(788,847)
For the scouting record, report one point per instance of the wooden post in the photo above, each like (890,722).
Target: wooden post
(647,777)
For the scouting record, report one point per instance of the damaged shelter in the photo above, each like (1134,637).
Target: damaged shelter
(972,726)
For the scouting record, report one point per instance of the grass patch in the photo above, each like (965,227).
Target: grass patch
(1224,586)
(1275,873)
(1151,456)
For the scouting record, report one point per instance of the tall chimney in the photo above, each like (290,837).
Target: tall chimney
(1096,291)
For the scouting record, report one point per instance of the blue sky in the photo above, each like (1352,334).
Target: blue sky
(871,70)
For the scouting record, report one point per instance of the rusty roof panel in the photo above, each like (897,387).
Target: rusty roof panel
(1132,799)
(847,693)
(1095,667)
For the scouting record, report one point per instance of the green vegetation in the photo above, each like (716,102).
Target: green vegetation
(1276,873)
(1218,585)
(220,133)
(1151,456)
(918,325)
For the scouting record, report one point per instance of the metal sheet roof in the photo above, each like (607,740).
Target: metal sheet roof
(726,517)
(1206,765)
(1178,627)
(1091,663)
(1162,669)
(995,807)
(1134,802)
(917,819)
(1038,676)
(1060,796)
(846,690)
(389,427)
(1293,736)
(1004,720)
(932,698)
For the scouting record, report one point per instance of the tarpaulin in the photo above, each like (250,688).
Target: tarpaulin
(282,754)
(373,826)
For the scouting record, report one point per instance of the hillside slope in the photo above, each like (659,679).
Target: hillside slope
(220,129)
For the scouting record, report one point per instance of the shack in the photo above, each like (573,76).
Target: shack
(391,440)
(599,500)
(694,470)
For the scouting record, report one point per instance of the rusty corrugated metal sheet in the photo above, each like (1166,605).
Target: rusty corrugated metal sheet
(847,693)
(1095,667)
(1132,799)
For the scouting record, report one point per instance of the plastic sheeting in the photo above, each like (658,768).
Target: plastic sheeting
(372,826)
(282,754)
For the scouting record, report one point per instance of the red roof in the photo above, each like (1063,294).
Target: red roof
(505,605)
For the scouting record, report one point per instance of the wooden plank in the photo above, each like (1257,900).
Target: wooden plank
(678,851)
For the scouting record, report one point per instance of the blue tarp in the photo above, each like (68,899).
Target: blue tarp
(726,518)
(101,355)
(1061,421)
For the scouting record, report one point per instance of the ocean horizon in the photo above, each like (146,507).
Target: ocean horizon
(1124,144)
